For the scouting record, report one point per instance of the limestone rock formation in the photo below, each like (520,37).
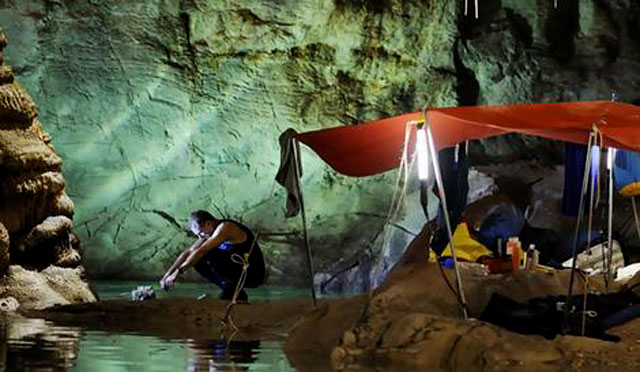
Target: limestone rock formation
(51,286)
(422,341)
(159,108)
(35,212)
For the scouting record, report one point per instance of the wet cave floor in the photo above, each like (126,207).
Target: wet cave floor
(175,332)
(411,323)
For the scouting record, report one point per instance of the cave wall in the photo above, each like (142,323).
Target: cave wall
(162,107)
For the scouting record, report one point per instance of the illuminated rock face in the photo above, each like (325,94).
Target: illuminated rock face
(162,107)
(35,211)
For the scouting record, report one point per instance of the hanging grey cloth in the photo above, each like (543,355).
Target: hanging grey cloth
(286,175)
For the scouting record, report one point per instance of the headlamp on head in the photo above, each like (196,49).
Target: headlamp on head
(195,228)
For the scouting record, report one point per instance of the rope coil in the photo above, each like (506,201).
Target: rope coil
(244,261)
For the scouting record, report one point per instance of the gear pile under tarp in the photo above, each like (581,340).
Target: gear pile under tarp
(627,173)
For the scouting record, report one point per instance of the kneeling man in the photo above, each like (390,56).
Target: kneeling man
(211,255)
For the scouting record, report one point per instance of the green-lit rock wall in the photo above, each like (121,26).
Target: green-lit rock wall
(161,107)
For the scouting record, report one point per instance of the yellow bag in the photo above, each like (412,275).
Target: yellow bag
(632,189)
(467,248)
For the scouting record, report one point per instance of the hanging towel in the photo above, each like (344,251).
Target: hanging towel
(286,175)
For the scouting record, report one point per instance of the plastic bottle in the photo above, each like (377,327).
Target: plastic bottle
(530,257)
(512,249)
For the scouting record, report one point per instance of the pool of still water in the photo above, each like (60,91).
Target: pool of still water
(38,345)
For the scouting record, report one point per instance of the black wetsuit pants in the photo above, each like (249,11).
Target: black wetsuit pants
(218,268)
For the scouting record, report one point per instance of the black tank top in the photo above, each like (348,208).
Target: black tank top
(222,255)
(243,247)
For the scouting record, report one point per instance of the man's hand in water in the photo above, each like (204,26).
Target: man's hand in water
(168,282)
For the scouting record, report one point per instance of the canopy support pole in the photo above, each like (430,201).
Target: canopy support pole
(296,158)
(592,180)
(424,198)
(609,224)
(443,201)
(585,183)
(635,215)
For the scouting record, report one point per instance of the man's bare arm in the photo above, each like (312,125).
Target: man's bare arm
(219,236)
(183,256)
(195,255)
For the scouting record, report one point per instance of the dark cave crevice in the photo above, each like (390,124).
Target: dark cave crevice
(611,43)
(404,96)
(521,27)
(165,215)
(467,86)
(373,6)
(185,19)
(380,6)
(561,26)
(612,48)
(633,21)
(468,25)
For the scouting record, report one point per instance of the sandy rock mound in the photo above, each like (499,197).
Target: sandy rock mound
(414,321)
(439,343)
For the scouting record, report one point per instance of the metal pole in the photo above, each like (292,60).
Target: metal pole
(592,181)
(296,159)
(443,200)
(635,214)
(609,226)
(424,198)
(585,182)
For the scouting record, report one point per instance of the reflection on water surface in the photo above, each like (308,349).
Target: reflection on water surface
(38,345)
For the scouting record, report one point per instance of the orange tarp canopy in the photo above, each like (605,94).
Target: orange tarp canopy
(377,146)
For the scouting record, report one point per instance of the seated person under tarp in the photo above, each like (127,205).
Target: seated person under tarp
(504,220)
(501,217)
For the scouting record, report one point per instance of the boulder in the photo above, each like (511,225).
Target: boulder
(49,287)
(63,205)
(67,257)
(424,341)
(47,243)
(9,304)
(51,229)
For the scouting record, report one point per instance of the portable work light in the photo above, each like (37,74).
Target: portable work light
(423,155)
(611,154)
